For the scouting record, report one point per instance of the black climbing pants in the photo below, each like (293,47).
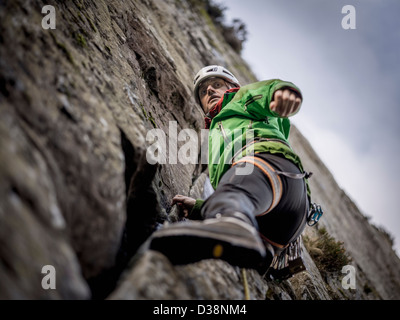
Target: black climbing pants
(253,194)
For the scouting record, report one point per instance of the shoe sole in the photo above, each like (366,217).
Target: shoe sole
(194,242)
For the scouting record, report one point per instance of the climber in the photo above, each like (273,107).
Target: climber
(252,215)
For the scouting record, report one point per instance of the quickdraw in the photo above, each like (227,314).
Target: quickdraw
(287,263)
(314,215)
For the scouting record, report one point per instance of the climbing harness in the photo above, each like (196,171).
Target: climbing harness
(269,171)
(288,260)
(295,175)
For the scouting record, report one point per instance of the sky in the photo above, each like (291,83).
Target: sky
(350,82)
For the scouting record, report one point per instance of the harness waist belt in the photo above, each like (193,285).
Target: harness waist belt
(270,172)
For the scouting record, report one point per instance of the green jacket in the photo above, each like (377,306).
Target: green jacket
(248,109)
(230,137)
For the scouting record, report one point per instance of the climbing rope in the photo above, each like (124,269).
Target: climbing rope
(245,285)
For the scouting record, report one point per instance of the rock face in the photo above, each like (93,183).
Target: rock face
(78,190)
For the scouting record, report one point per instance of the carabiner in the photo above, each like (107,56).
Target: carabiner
(314,215)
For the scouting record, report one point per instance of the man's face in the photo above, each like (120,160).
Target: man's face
(210,91)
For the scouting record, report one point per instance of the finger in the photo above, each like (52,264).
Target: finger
(297,104)
(291,107)
(286,95)
(292,97)
(278,96)
(295,107)
(177,198)
(272,106)
(286,100)
(276,101)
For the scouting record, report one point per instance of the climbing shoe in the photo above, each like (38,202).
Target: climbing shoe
(225,238)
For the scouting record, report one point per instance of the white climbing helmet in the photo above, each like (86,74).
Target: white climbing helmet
(212,71)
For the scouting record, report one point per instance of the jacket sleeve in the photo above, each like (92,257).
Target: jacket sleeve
(195,213)
(255,98)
